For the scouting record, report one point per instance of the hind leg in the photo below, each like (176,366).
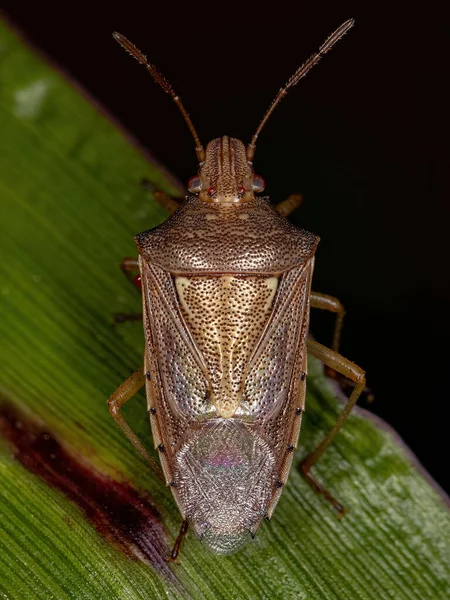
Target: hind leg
(357,376)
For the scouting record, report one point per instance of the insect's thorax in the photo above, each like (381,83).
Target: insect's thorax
(212,237)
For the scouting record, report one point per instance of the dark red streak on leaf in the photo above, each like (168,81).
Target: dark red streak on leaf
(115,509)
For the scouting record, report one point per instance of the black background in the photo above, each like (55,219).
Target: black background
(364,137)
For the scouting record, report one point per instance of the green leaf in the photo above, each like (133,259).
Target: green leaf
(81,516)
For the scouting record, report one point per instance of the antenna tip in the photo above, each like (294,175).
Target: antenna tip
(129,47)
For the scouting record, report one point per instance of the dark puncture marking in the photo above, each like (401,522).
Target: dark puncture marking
(116,510)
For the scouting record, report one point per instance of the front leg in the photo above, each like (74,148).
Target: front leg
(286,207)
(166,201)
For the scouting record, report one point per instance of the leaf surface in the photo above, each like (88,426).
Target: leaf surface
(80,514)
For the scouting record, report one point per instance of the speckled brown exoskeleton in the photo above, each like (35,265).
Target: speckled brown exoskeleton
(226,288)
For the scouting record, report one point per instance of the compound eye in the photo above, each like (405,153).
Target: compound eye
(195,184)
(258,184)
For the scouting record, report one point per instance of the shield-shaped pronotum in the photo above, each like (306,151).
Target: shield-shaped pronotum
(226,288)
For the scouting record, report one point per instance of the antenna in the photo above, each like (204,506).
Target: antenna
(299,74)
(159,78)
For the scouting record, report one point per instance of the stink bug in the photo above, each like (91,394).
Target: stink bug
(226,289)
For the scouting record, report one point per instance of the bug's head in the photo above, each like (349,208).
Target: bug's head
(226,172)
(226,175)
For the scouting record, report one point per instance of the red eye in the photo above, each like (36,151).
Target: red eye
(211,191)
(242,190)
(137,281)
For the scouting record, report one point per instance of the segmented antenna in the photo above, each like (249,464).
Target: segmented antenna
(299,73)
(159,78)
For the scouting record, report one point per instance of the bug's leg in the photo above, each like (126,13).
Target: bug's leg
(169,203)
(289,205)
(332,304)
(124,392)
(161,197)
(355,374)
(128,266)
(122,317)
(176,547)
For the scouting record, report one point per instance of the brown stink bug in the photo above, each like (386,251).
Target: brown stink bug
(226,289)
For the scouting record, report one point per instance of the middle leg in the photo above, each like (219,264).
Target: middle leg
(166,201)
(333,305)
(128,266)
(124,392)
